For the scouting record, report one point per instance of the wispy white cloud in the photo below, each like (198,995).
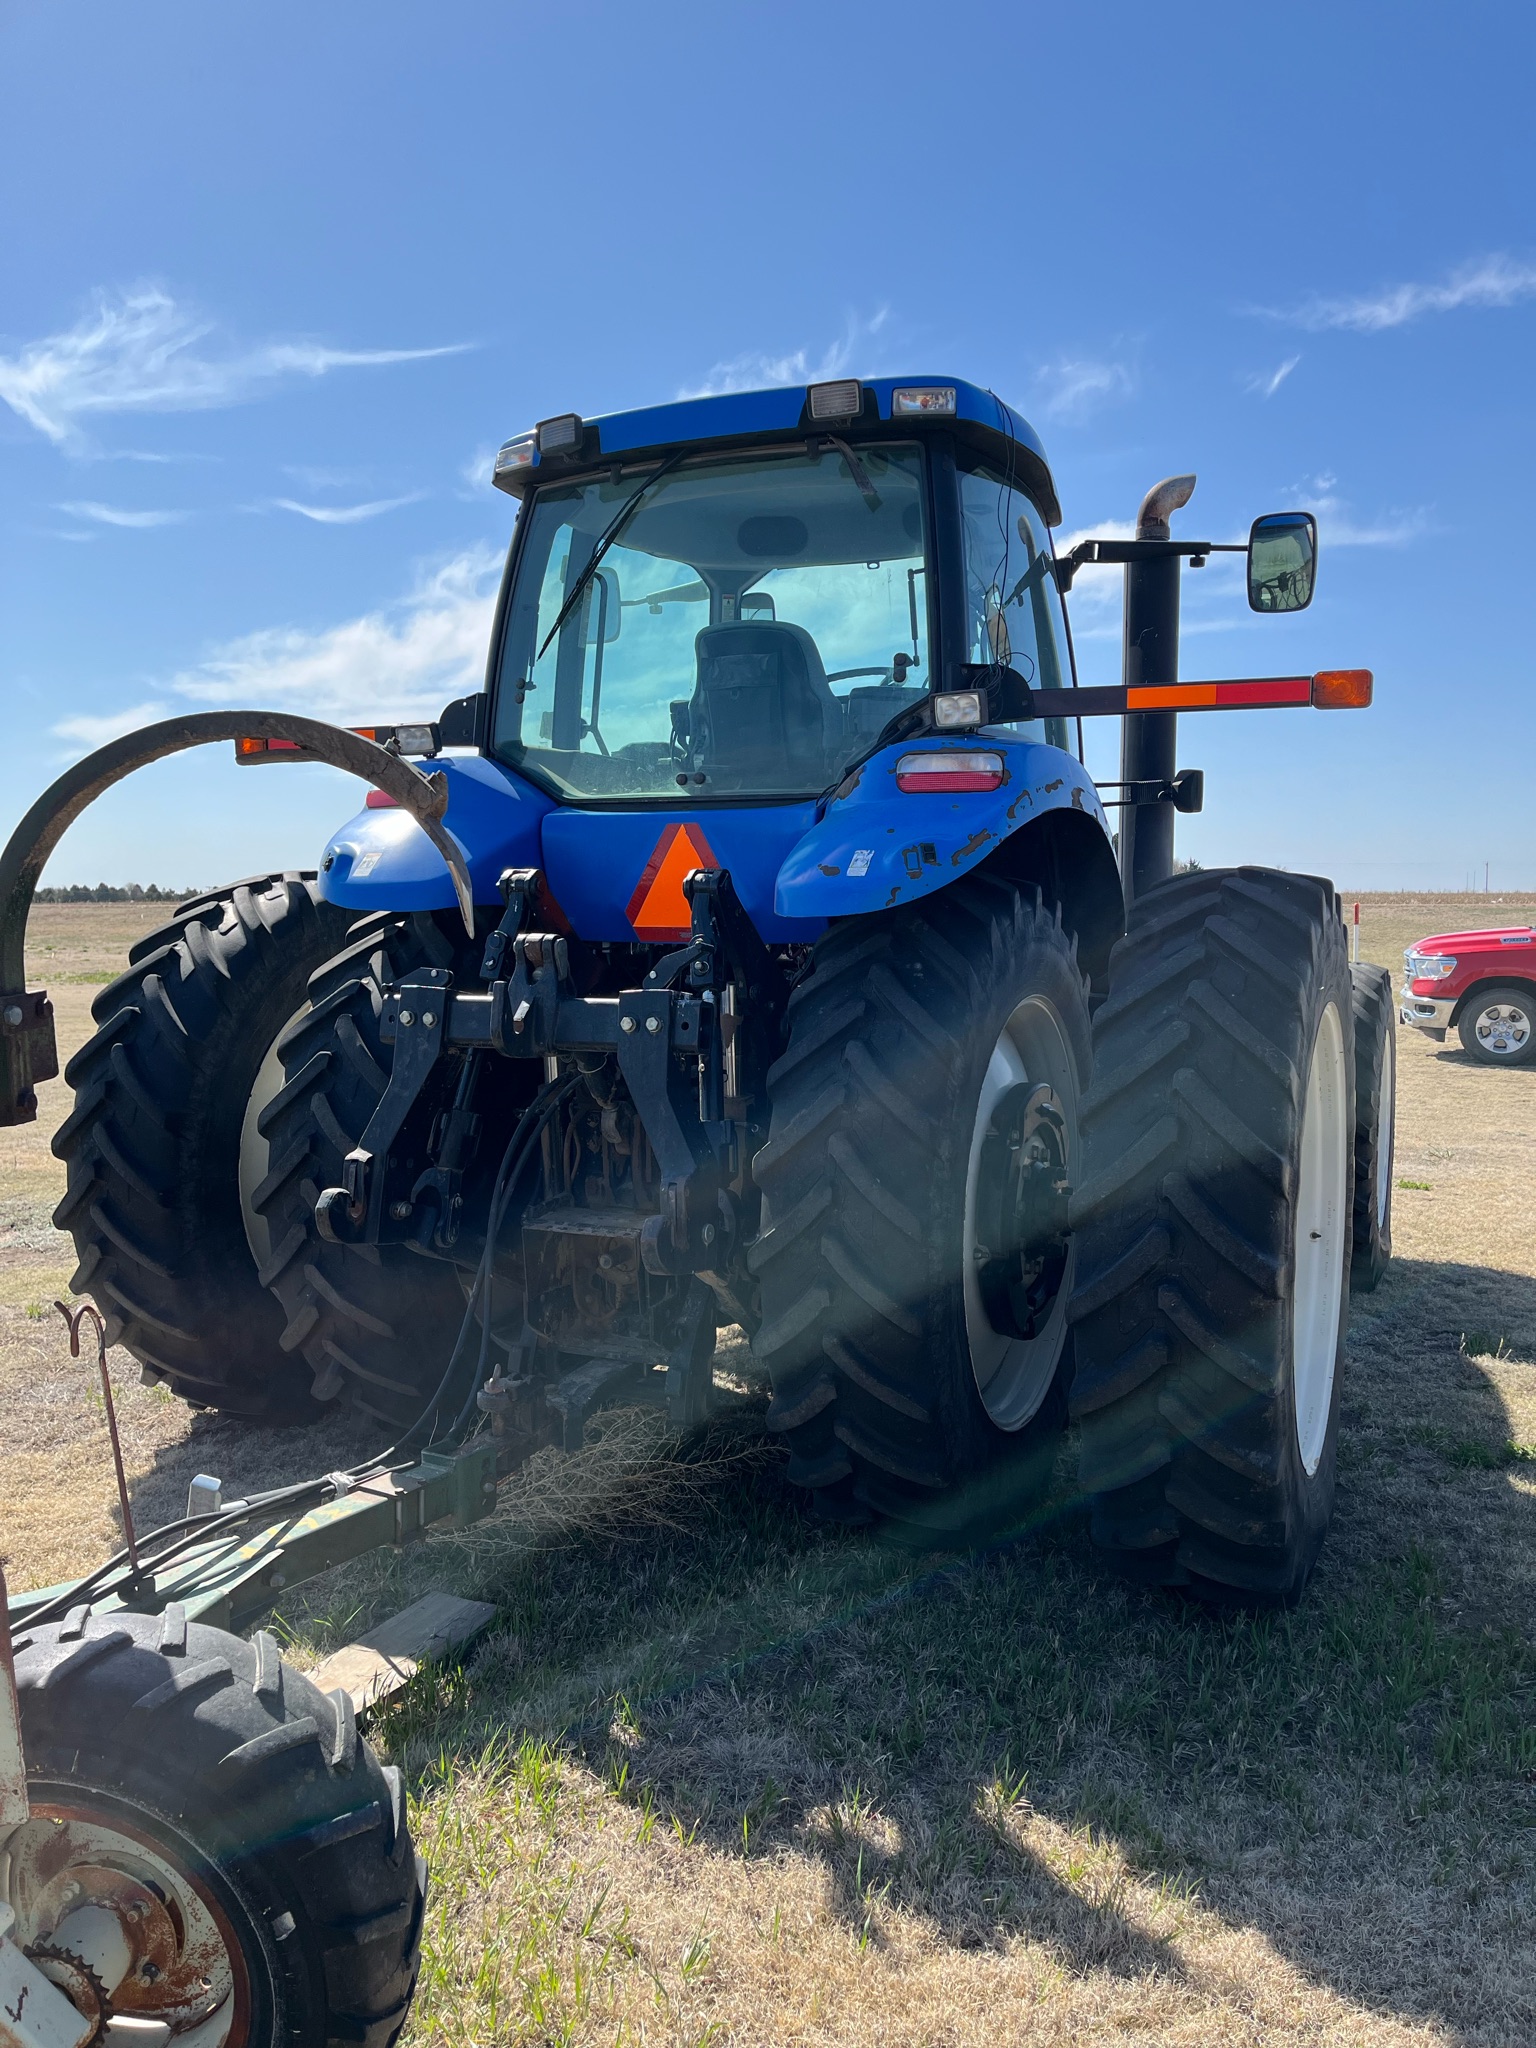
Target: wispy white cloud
(1491,281)
(86,731)
(757,371)
(139,351)
(1267,382)
(405,660)
(347,515)
(119,515)
(1074,386)
(1340,527)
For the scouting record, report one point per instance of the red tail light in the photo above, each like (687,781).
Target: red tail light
(940,770)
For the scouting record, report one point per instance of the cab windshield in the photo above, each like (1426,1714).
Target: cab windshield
(751,627)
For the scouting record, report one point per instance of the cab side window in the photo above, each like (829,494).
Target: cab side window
(1013,608)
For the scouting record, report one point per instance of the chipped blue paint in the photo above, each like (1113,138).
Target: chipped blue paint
(876,846)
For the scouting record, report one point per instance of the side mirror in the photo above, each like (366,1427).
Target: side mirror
(601,611)
(1282,562)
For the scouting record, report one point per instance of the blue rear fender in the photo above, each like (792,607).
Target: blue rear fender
(382,860)
(876,846)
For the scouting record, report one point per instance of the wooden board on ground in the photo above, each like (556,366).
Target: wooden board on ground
(387,1657)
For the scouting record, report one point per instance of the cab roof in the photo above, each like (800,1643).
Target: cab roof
(980,420)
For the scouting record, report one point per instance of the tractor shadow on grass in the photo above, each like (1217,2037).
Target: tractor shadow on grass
(1017,1748)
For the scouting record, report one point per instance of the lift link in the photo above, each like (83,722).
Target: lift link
(670,1040)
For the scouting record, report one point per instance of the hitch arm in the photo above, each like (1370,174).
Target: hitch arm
(28,1053)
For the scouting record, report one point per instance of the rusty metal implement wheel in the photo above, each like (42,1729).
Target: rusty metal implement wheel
(214,1857)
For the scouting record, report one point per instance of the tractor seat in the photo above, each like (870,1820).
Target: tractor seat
(763,714)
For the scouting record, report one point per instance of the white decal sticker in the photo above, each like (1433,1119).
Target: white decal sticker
(859,865)
(364,865)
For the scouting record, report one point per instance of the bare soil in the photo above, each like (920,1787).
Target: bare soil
(721,1774)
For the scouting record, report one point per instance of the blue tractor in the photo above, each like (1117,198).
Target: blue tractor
(755,949)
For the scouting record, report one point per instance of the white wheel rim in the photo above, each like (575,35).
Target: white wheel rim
(1013,1374)
(1384,1133)
(1503,1029)
(1320,1240)
(155,1941)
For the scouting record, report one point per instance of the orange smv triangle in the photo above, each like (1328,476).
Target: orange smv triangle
(659,909)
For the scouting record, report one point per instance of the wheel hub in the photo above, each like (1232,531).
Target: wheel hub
(1021,1209)
(1503,1029)
(123,1932)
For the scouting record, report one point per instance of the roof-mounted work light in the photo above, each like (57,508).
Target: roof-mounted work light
(561,435)
(843,400)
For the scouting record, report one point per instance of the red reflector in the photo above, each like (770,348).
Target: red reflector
(1342,689)
(920,774)
(381,800)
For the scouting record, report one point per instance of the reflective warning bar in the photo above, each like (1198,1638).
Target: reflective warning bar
(1344,689)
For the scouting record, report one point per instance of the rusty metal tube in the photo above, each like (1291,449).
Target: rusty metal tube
(27,1053)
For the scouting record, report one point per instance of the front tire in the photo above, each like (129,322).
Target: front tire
(913,1260)
(1213,1227)
(153,1143)
(1498,1026)
(191,1791)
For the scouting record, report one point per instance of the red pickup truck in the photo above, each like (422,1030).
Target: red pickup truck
(1482,985)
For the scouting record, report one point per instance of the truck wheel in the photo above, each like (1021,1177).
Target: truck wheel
(378,1322)
(1375,1104)
(1212,1220)
(914,1258)
(152,1145)
(212,1847)
(1498,1026)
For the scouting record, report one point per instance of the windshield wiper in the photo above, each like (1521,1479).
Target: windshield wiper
(857,471)
(606,539)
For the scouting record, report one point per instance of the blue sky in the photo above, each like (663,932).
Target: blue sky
(278,279)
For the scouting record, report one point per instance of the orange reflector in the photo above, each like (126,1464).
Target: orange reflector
(1342,689)
(659,909)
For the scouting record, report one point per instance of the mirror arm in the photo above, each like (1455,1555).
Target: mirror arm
(1099,553)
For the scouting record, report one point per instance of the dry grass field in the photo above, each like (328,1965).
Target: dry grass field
(719,1774)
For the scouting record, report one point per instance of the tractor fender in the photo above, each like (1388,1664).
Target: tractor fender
(876,846)
(382,860)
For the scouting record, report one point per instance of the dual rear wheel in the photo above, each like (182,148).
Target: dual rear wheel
(929,1295)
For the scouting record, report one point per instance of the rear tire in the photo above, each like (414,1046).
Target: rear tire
(1375,1106)
(245,1828)
(1209,1318)
(1498,1026)
(376,1321)
(152,1145)
(897,1392)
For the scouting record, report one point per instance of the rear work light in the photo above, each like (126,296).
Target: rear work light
(843,400)
(916,399)
(561,435)
(918,774)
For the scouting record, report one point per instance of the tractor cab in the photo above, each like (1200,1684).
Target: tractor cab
(732,598)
